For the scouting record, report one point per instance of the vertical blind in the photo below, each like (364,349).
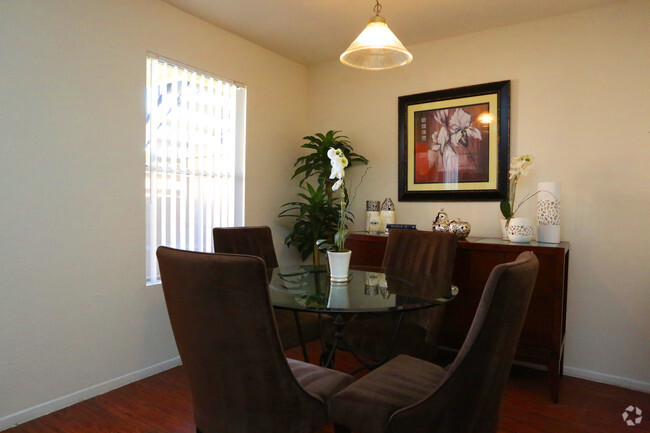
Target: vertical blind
(193,129)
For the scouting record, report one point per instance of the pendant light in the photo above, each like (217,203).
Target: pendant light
(376,47)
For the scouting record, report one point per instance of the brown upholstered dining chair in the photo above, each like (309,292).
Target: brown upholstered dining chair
(258,241)
(239,377)
(411,395)
(407,251)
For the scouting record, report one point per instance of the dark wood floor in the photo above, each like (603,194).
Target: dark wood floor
(161,404)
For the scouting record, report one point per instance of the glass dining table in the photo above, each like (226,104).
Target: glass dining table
(307,288)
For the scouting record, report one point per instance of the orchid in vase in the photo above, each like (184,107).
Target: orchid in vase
(518,167)
(339,162)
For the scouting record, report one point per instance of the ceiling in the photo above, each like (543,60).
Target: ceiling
(315,31)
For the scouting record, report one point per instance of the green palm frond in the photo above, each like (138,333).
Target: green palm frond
(316,215)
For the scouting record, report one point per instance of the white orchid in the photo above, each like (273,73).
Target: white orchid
(518,167)
(339,162)
(338,172)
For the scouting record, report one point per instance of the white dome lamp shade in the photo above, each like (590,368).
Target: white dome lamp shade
(376,48)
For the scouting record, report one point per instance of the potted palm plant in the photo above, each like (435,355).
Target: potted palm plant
(316,215)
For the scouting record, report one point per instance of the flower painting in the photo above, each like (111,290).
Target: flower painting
(454,143)
(451,145)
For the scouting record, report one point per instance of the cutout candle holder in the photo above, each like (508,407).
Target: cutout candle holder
(548,212)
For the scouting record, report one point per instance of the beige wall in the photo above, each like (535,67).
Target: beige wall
(75,316)
(581,106)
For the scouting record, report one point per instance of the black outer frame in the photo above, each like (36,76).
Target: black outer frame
(502,89)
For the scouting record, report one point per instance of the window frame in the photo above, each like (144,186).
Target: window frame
(171,170)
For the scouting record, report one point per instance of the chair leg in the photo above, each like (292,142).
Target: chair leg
(300,337)
(338,428)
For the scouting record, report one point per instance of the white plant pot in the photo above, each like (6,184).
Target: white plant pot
(520,230)
(339,265)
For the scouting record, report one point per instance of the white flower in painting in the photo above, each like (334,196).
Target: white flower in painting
(441,137)
(460,126)
(440,140)
(442,117)
(453,131)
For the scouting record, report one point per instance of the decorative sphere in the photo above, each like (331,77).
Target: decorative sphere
(453,226)
(441,227)
(462,229)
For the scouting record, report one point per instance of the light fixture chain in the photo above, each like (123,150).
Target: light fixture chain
(377,8)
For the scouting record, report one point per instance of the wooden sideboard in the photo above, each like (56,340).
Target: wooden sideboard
(542,337)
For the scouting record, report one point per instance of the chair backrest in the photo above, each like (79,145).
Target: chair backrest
(425,252)
(227,339)
(469,399)
(253,240)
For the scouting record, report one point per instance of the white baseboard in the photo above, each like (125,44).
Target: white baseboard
(59,403)
(609,379)
(594,376)
(67,400)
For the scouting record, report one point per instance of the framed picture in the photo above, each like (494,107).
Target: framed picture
(454,144)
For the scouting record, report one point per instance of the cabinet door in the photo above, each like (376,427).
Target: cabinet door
(366,250)
(471,270)
(540,319)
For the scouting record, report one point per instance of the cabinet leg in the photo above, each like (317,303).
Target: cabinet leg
(554,379)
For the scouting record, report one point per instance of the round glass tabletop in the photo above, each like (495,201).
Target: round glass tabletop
(308,288)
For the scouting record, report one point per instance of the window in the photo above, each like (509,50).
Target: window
(194,157)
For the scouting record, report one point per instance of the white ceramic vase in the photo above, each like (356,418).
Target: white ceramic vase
(520,230)
(339,265)
(548,212)
(504,229)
